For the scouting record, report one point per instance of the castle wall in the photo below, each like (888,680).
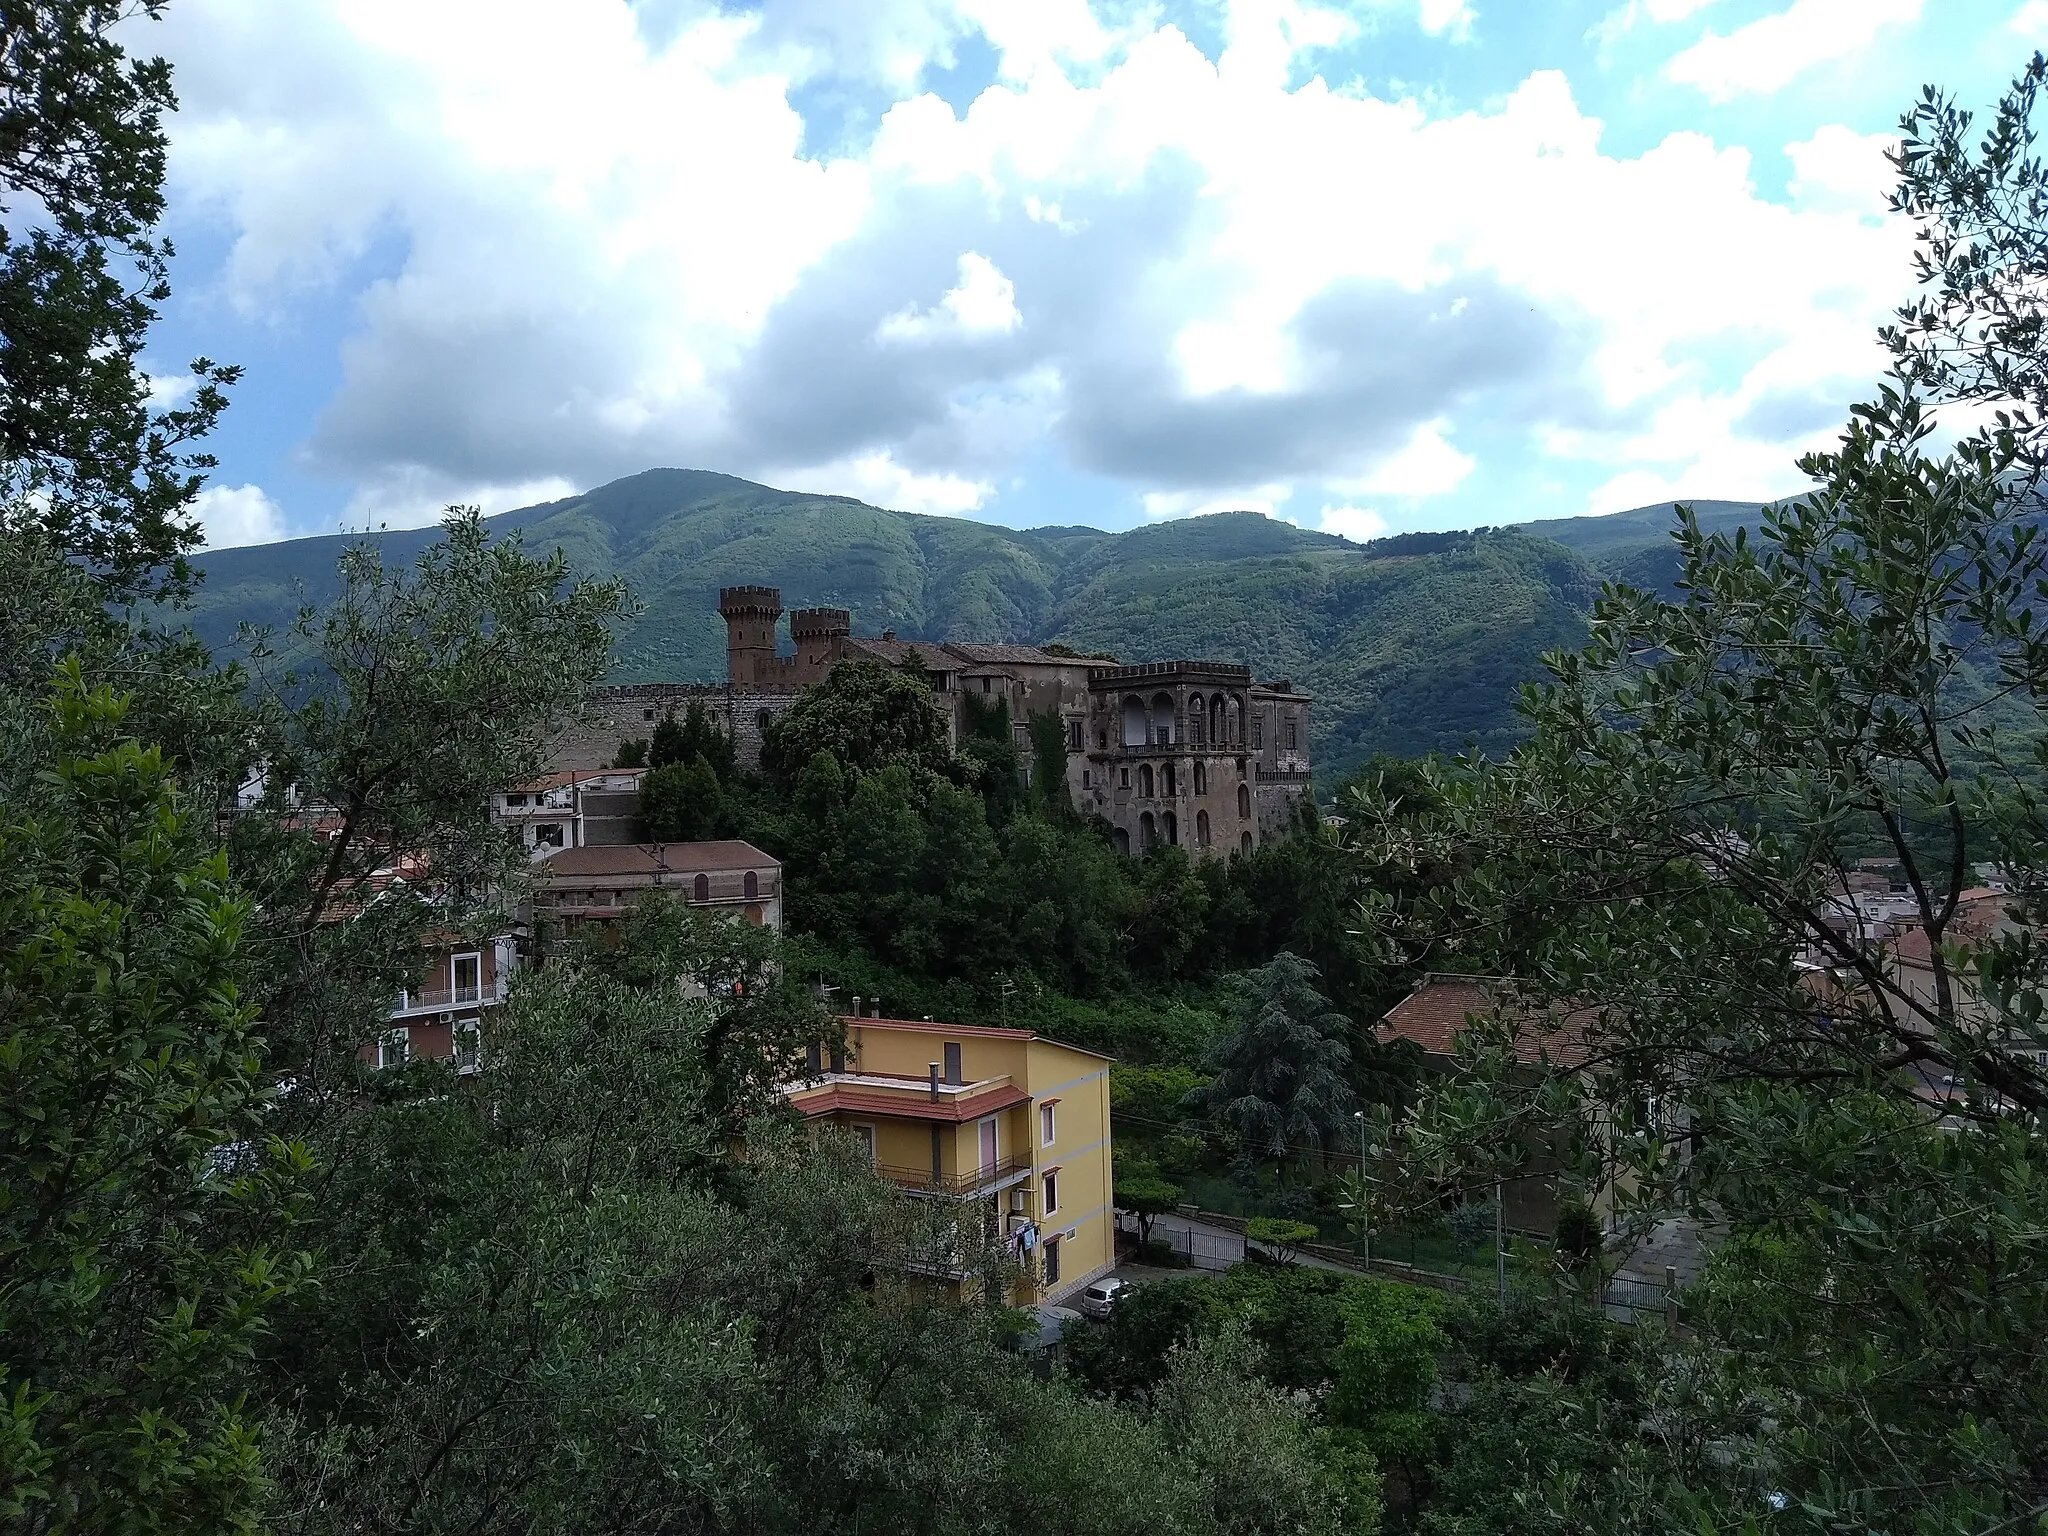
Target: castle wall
(628,712)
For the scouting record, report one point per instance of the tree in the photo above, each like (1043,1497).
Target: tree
(1280,1233)
(1669,858)
(697,735)
(680,802)
(87,467)
(1141,1191)
(145,1234)
(866,717)
(1279,1074)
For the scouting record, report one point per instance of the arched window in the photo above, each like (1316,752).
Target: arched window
(1123,841)
(1145,780)
(1216,718)
(1135,733)
(1171,786)
(750,887)
(700,888)
(1201,829)
(1201,779)
(1162,719)
(763,720)
(1244,842)
(1148,832)
(1244,802)
(1237,722)
(1170,825)
(1195,719)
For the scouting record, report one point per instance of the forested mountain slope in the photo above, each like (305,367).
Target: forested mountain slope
(1410,643)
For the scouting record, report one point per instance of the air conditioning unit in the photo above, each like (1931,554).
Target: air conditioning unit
(445,1016)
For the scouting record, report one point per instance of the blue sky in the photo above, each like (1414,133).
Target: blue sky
(1372,266)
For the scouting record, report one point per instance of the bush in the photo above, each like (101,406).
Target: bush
(1278,1232)
(1470,1224)
(1161,1252)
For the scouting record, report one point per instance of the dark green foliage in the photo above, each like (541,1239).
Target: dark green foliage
(87,467)
(864,717)
(1279,1075)
(680,802)
(631,754)
(1143,1193)
(696,735)
(144,1236)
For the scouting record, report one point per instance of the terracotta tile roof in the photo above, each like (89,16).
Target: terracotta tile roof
(893,653)
(647,858)
(955,1108)
(998,655)
(1439,1010)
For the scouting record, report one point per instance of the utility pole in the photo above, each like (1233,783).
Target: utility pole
(1364,1190)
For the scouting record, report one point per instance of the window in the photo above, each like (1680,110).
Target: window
(953,1062)
(469,1054)
(1172,781)
(1102,741)
(548,835)
(1244,842)
(865,1135)
(700,888)
(647,714)
(467,978)
(1201,779)
(750,887)
(1073,735)
(1258,733)
(1169,826)
(763,720)
(1201,829)
(814,1059)
(1085,780)
(1145,780)
(395,1048)
(1045,1125)
(1290,733)
(1244,802)
(1052,1261)
(515,799)
(1052,1193)
(1124,776)
(984,685)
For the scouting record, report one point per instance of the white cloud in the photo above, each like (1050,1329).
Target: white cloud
(1768,54)
(1439,17)
(234,515)
(2030,20)
(984,304)
(1840,170)
(1359,524)
(609,244)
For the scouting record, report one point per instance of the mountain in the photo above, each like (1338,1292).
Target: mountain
(1410,643)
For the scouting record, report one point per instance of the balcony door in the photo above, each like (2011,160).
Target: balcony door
(987,1130)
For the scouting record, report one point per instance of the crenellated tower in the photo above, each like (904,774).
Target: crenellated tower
(750,616)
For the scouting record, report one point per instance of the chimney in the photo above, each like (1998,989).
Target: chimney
(935,1082)
(856,1005)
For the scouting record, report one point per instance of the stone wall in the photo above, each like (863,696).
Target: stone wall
(628,712)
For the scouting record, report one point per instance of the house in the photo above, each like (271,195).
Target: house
(447,1016)
(593,808)
(600,882)
(1442,1007)
(1010,1127)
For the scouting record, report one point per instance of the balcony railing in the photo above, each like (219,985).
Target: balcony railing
(957,1185)
(1284,775)
(439,999)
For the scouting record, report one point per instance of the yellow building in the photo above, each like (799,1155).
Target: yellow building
(1014,1126)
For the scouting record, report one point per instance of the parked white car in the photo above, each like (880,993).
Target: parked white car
(1099,1299)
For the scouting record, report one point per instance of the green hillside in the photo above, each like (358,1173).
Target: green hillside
(1409,643)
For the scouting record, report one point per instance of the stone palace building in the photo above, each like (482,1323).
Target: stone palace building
(1194,753)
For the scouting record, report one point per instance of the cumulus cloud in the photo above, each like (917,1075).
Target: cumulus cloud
(1772,52)
(233,515)
(1359,524)
(612,242)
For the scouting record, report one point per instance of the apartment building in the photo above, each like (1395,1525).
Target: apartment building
(600,883)
(596,807)
(447,1015)
(1012,1127)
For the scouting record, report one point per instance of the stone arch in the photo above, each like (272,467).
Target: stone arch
(1162,719)
(1244,842)
(1148,832)
(1123,841)
(1196,720)
(1201,829)
(1145,780)
(750,887)
(700,888)
(1217,718)
(1169,826)
(1169,780)
(1135,734)
(1244,802)
(1236,721)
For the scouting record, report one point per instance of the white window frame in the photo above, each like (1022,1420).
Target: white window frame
(455,987)
(1048,1124)
(864,1131)
(471,1030)
(395,1048)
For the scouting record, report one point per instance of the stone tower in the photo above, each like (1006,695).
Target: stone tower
(820,635)
(750,615)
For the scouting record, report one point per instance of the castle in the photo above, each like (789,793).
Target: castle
(1193,753)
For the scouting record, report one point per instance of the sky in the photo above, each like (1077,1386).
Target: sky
(1369,266)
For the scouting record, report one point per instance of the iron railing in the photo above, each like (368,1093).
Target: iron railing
(955,1185)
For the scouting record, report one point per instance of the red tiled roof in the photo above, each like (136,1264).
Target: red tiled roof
(1440,1009)
(647,858)
(954,1108)
(571,776)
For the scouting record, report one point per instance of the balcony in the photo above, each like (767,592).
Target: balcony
(441,999)
(1013,1169)
(1284,775)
